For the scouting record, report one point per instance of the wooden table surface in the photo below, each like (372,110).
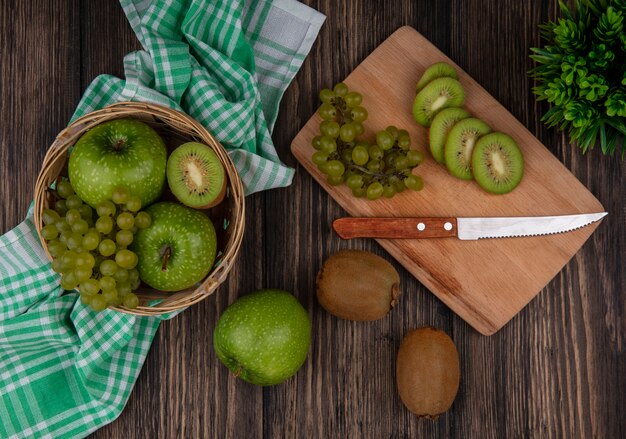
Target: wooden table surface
(556,370)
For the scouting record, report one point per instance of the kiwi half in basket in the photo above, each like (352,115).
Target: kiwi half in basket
(196,175)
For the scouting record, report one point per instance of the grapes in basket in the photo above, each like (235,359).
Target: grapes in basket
(89,247)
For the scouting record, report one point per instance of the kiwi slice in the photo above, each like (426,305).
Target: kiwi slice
(437,70)
(459,145)
(439,128)
(497,163)
(196,175)
(440,93)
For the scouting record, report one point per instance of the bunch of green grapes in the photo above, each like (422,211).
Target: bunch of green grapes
(371,170)
(90,250)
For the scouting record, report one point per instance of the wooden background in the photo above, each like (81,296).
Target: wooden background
(557,370)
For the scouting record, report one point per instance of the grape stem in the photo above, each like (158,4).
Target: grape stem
(166,257)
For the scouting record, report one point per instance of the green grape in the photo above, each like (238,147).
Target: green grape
(74,241)
(347,132)
(327,111)
(69,281)
(85,299)
(414,182)
(322,167)
(121,276)
(354,181)
(63,226)
(374,190)
(106,247)
(72,216)
(329,128)
(64,189)
(401,162)
(133,204)
(82,274)
(334,180)
(328,144)
(326,96)
(143,220)
(120,195)
(315,142)
(50,217)
(353,99)
(335,168)
(359,192)
(389,190)
(73,202)
(385,139)
(57,265)
(108,267)
(374,165)
(56,248)
(61,207)
(404,142)
(104,224)
(106,208)
(124,238)
(341,89)
(375,152)
(109,295)
(125,221)
(360,156)
(64,235)
(126,259)
(107,283)
(69,259)
(358,127)
(133,277)
(393,131)
(91,240)
(346,156)
(403,133)
(89,287)
(49,232)
(85,260)
(131,301)
(415,157)
(320,157)
(399,186)
(358,114)
(98,303)
(80,226)
(86,212)
(123,289)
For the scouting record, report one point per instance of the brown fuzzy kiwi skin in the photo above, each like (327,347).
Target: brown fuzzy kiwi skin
(428,372)
(357,285)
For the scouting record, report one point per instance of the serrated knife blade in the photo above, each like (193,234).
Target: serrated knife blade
(462,228)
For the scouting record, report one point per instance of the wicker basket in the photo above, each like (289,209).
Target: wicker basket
(176,128)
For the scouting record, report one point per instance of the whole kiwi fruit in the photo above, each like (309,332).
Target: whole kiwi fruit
(428,372)
(357,285)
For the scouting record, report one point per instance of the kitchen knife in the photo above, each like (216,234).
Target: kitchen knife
(462,228)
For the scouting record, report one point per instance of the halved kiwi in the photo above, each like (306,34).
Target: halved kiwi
(196,175)
(439,128)
(438,94)
(459,145)
(437,70)
(497,163)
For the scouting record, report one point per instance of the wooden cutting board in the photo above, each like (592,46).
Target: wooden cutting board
(486,282)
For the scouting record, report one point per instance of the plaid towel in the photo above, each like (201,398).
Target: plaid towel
(65,371)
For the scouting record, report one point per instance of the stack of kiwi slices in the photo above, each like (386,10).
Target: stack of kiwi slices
(464,144)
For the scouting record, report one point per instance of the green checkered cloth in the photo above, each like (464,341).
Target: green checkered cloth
(65,371)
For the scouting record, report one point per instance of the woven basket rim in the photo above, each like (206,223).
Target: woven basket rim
(182,124)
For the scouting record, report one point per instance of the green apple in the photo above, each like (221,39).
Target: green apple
(121,152)
(177,250)
(264,337)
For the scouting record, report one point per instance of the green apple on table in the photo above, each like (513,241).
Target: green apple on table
(264,337)
(120,152)
(177,250)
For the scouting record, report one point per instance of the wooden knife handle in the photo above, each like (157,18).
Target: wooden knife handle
(395,228)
